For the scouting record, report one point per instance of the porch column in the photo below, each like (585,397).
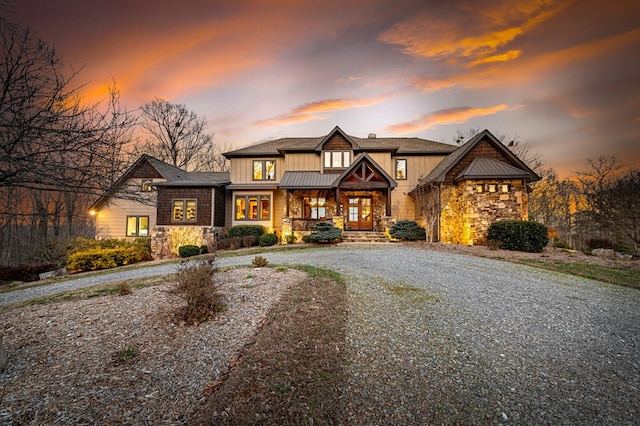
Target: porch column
(286,205)
(389,201)
(337,201)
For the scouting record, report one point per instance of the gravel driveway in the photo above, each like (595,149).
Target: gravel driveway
(444,338)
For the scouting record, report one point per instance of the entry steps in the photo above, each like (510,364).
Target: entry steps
(364,237)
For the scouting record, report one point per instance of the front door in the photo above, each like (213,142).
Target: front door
(360,214)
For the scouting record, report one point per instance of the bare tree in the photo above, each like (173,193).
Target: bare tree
(56,153)
(177,136)
(428,204)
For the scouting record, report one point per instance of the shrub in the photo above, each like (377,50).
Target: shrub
(245,230)
(291,238)
(249,241)
(124,288)
(259,262)
(325,231)
(407,230)
(188,250)
(519,235)
(197,286)
(104,258)
(204,249)
(267,240)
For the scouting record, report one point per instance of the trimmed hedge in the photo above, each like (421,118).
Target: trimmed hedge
(245,231)
(519,235)
(407,230)
(267,240)
(188,250)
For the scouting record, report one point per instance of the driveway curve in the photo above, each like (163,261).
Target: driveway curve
(446,338)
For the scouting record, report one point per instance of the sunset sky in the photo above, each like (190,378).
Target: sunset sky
(564,75)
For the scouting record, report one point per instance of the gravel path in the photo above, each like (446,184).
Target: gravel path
(444,338)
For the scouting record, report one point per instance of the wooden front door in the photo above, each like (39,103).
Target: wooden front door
(360,214)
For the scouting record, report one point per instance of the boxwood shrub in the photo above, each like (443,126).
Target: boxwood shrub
(267,240)
(407,230)
(188,250)
(519,235)
(244,231)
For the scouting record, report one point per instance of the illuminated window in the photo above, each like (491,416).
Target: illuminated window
(137,226)
(315,208)
(401,169)
(264,170)
(505,187)
(492,187)
(146,185)
(253,207)
(337,159)
(184,211)
(480,188)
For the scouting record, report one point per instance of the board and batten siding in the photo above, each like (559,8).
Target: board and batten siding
(242,169)
(418,166)
(302,162)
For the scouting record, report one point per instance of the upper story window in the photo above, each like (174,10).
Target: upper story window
(401,169)
(264,170)
(337,159)
(146,185)
(184,211)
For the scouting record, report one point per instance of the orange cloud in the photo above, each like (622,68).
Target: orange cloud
(503,57)
(454,41)
(446,116)
(529,68)
(313,110)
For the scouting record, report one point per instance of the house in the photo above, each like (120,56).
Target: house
(361,184)
(288,185)
(152,195)
(128,209)
(477,184)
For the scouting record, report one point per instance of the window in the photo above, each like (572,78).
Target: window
(505,187)
(401,169)
(253,207)
(264,170)
(137,226)
(315,208)
(184,211)
(480,188)
(146,185)
(493,187)
(337,159)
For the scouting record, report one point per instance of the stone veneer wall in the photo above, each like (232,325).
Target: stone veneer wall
(165,240)
(467,214)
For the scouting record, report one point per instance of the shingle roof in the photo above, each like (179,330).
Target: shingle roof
(307,180)
(209,179)
(399,145)
(487,168)
(440,171)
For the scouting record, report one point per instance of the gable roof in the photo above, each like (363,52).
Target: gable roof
(488,168)
(439,172)
(356,163)
(167,171)
(335,130)
(400,146)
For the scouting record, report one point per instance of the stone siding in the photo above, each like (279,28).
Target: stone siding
(467,213)
(166,240)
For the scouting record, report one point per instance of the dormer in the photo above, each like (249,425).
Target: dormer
(337,151)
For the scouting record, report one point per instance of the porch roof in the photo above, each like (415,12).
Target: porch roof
(307,180)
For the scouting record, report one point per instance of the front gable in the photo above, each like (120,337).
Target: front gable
(364,173)
(337,140)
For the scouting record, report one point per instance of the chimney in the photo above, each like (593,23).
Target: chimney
(372,135)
